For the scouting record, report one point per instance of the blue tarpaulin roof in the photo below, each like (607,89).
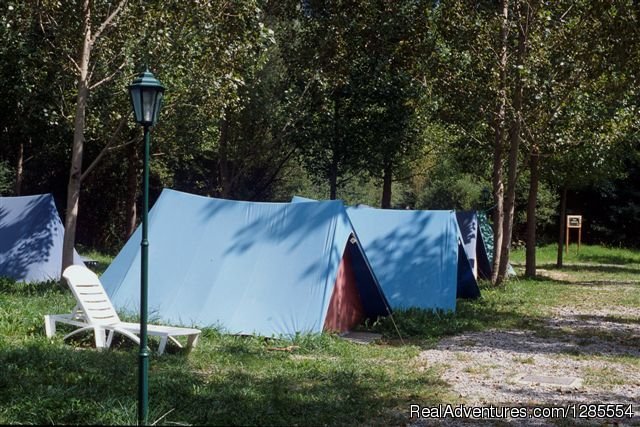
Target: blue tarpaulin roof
(416,255)
(250,268)
(31,236)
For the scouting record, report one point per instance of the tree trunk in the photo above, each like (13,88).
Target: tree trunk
(132,190)
(223,160)
(563,217)
(333,173)
(333,177)
(514,141)
(534,163)
(386,186)
(73,188)
(19,169)
(499,123)
(498,209)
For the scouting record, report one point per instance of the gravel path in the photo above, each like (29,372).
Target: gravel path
(599,347)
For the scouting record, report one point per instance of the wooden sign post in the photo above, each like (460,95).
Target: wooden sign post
(574,221)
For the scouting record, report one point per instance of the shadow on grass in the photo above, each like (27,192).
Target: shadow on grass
(11,287)
(608,259)
(607,319)
(226,384)
(605,269)
(315,395)
(46,384)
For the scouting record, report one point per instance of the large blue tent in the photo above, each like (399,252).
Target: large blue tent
(416,255)
(31,236)
(250,268)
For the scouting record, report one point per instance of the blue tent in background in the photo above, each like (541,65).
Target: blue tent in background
(486,231)
(250,268)
(474,244)
(416,255)
(31,236)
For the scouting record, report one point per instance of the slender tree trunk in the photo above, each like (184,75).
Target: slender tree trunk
(509,205)
(223,160)
(514,141)
(19,169)
(84,77)
(534,167)
(498,209)
(132,190)
(333,177)
(499,123)
(333,173)
(386,186)
(73,188)
(563,217)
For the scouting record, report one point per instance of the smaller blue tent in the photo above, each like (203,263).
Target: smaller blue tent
(473,242)
(31,236)
(416,255)
(270,269)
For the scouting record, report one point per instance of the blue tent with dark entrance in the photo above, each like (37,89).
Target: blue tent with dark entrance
(270,269)
(31,236)
(416,255)
(473,242)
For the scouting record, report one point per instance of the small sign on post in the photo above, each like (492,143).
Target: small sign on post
(574,221)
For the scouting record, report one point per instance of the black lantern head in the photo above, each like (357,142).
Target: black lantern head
(146,98)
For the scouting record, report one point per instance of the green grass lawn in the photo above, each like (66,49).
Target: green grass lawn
(248,380)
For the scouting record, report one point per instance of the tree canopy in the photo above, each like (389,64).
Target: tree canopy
(408,103)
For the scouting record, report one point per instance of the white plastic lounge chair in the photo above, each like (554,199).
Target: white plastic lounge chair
(95,311)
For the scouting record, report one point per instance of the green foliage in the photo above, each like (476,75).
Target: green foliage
(266,99)
(452,178)
(547,203)
(611,209)
(461,192)
(6,181)
(360,189)
(577,109)
(361,98)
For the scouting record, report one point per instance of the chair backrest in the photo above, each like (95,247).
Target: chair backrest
(91,296)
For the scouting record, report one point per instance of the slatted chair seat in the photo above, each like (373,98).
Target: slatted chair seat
(94,311)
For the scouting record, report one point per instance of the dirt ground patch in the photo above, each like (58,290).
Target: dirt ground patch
(555,275)
(601,347)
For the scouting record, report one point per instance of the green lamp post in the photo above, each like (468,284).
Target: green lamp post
(146,98)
